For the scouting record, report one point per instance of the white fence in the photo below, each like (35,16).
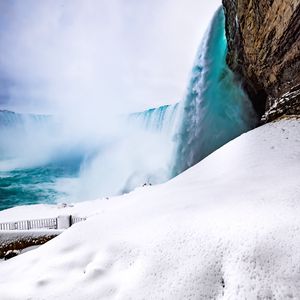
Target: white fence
(61,222)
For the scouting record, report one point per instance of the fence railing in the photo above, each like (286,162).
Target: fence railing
(61,222)
(76,220)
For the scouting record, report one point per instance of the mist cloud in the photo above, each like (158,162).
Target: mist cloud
(96,57)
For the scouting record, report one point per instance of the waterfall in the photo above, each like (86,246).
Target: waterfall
(215,109)
(122,153)
(140,153)
(160,119)
(12,119)
(8,118)
(31,140)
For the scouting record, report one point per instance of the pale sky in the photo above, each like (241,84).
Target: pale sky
(123,55)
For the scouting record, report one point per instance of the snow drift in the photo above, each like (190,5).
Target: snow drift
(228,228)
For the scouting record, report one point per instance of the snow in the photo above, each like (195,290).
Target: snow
(228,228)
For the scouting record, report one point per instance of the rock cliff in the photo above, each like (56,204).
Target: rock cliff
(264,50)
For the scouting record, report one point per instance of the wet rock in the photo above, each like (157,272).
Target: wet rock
(264,50)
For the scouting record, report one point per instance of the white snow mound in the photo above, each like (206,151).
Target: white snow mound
(228,228)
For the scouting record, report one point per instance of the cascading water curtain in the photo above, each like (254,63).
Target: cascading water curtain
(215,109)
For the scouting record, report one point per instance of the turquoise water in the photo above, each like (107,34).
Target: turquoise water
(34,185)
(215,109)
(35,164)
(39,163)
(162,118)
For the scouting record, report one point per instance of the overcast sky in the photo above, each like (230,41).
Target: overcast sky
(123,55)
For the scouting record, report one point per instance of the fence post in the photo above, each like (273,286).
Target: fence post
(63,222)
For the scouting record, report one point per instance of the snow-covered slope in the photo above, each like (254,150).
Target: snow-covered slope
(228,228)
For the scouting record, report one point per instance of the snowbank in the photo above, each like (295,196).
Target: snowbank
(228,228)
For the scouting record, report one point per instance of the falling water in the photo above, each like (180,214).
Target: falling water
(215,109)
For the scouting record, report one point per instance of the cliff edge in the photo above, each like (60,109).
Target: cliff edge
(264,50)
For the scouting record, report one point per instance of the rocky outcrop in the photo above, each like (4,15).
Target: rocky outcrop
(264,49)
(18,240)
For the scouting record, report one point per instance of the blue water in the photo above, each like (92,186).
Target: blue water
(38,156)
(33,185)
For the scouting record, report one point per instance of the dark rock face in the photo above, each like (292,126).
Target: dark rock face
(264,50)
(11,247)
